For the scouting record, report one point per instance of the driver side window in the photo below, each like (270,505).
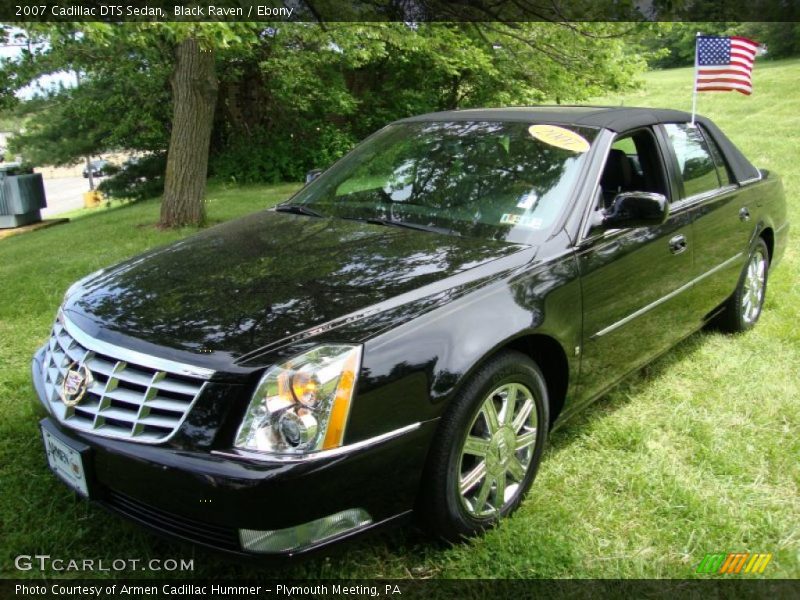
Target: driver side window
(633,165)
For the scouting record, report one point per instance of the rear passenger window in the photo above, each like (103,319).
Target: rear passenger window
(722,167)
(694,160)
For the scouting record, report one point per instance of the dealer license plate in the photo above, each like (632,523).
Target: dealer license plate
(66,462)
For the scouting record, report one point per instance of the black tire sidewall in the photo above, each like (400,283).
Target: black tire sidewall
(452,521)
(739,323)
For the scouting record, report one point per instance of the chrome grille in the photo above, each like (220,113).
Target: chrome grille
(124,400)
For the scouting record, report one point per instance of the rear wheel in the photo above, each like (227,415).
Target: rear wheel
(488,448)
(743,308)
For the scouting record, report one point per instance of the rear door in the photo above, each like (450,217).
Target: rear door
(632,279)
(722,226)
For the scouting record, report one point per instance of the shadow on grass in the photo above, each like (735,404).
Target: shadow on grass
(620,395)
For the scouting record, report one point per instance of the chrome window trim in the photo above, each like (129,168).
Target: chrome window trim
(132,356)
(263,457)
(666,297)
(691,201)
(603,146)
(752,179)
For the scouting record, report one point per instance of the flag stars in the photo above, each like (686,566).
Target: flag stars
(713,51)
(724,64)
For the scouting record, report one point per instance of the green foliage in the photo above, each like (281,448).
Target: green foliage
(294,96)
(673,44)
(94,118)
(278,156)
(122,102)
(137,180)
(782,39)
(323,89)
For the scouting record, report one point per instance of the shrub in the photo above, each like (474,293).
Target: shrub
(267,158)
(137,179)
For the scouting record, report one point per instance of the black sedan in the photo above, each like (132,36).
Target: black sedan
(402,334)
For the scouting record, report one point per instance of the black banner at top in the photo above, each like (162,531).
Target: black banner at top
(397,10)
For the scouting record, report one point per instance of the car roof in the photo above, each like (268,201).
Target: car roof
(615,118)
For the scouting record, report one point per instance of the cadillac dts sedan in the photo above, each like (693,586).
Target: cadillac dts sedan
(400,336)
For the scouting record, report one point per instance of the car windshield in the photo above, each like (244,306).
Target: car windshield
(502,180)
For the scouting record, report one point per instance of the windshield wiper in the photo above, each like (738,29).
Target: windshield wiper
(297,209)
(406,224)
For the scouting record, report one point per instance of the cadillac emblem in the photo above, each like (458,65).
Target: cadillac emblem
(76,382)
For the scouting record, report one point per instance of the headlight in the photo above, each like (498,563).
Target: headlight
(302,405)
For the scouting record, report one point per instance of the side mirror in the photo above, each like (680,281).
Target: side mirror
(312,175)
(636,209)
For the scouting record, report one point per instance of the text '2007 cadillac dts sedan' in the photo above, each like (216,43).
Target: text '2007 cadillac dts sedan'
(401,335)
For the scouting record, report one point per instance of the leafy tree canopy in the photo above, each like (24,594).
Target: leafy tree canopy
(673,44)
(293,96)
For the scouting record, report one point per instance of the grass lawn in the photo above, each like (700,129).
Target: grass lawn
(698,453)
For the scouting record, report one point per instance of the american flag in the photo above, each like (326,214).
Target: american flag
(725,63)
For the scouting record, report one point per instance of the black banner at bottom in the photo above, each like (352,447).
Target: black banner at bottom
(406,589)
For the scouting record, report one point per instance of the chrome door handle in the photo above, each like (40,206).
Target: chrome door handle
(744,214)
(677,244)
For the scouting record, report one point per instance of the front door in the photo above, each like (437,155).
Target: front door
(633,279)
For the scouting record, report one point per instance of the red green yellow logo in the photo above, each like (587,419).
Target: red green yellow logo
(734,563)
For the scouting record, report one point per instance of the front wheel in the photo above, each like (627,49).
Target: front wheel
(488,448)
(743,308)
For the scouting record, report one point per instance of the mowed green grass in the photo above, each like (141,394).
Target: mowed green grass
(698,453)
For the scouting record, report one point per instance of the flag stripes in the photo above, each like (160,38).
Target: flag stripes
(724,63)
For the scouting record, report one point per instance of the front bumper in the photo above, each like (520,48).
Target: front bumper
(207,497)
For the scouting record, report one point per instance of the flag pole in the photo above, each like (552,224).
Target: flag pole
(694,93)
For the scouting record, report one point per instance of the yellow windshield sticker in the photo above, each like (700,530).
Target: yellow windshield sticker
(559,137)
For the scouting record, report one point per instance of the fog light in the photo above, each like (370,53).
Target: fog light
(307,534)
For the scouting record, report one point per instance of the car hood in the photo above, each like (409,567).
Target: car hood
(270,277)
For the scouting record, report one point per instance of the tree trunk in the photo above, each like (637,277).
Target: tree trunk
(194,95)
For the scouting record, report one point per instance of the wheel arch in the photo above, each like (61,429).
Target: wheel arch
(551,358)
(549,355)
(768,235)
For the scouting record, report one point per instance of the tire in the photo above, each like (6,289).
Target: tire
(456,502)
(743,308)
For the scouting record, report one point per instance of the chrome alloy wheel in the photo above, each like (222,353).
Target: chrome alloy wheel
(497,450)
(755,279)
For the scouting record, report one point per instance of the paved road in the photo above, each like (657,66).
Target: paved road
(64,194)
